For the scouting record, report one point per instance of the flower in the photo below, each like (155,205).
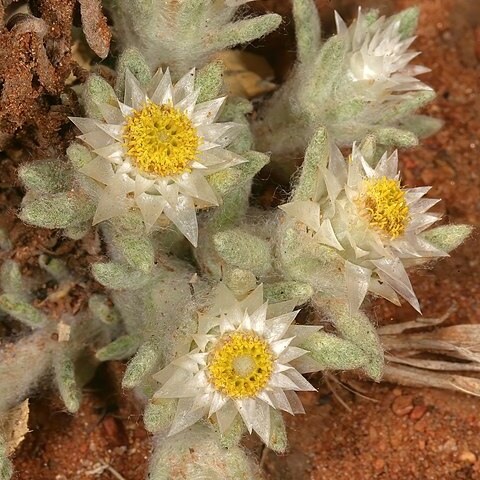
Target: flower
(154,151)
(372,222)
(378,57)
(246,361)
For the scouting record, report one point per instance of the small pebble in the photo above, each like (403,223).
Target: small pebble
(418,412)
(379,465)
(402,405)
(449,446)
(467,456)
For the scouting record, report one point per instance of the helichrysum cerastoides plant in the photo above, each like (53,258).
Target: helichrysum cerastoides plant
(357,82)
(206,288)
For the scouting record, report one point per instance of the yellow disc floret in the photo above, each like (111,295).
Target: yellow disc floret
(240,365)
(161,140)
(385,205)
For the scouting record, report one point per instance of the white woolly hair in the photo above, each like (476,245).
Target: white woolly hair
(27,362)
(184,30)
(166,308)
(196,454)
(23,364)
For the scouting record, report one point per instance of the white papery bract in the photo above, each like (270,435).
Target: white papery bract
(378,58)
(245,361)
(187,146)
(371,221)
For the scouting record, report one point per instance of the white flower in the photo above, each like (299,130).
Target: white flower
(246,361)
(372,222)
(154,151)
(378,58)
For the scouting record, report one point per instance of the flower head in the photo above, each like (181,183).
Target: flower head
(154,151)
(372,221)
(245,361)
(378,57)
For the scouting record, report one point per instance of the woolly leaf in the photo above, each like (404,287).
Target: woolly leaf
(307,29)
(118,276)
(334,353)
(209,80)
(278,441)
(136,251)
(408,105)
(120,349)
(448,237)
(47,176)
(131,59)
(242,250)
(422,125)
(356,327)
(22,311)
(96,91)
(316,157)
(159,414)
(283,291)
(12,281)
(408,21)
(211,460)
(101,309)
(395,136)
(64,369)
(57,211)
(328,65)
(142,364)
(79,155)
(245,31)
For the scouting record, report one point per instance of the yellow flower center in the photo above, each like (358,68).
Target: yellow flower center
(385,205)
(161,140)
(240,365)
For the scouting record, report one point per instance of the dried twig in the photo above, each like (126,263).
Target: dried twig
(410,354)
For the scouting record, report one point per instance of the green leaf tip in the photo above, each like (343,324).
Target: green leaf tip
(120,349)
(22,311)
(142,364)
(244,31)
(209,80)
(316,157)
(448,237)
(131,59)
(408,21)
(243,250)
(307,29)
(65,378)
(95,92)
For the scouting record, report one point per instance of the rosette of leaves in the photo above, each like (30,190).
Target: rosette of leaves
(186,33)
(60,348)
